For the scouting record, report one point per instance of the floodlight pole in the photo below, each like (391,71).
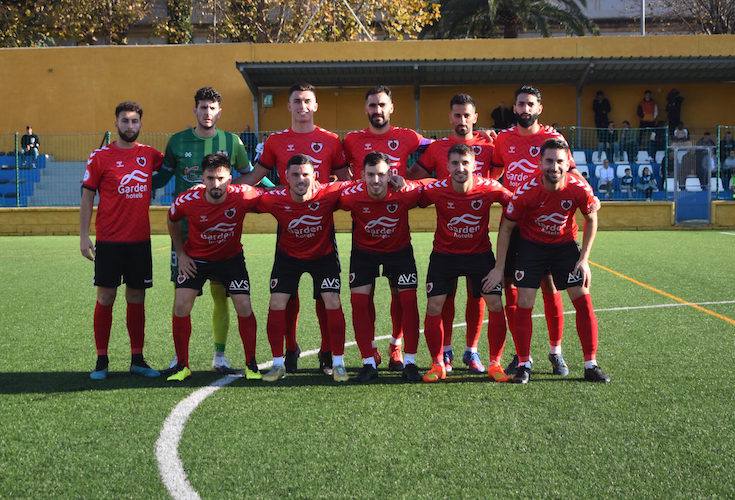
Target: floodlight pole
(643,17)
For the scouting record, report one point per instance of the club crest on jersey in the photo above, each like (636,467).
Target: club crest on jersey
(180,278)
(352,277)
(274,282)
(141,160)
(314,206)
(477,150)
(429,287)
(519,275)
(476,204)
(391,207)
(393,144)
(566,204)
(534,150)
(317,146)
(230,213)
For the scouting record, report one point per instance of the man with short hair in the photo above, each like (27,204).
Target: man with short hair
(543,209)
(381,236)
(305,244)
(433,163)
(326,155)
(185,152)
(398,144)
(121,174)
(212,251)
(29,145)
(462,248)
(517,152)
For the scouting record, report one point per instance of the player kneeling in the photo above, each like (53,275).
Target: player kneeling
(213,251)
(543,208)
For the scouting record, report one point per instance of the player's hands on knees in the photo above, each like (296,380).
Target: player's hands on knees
(493,279)
(584,267)
(86,247)
(397,181)
(187,266)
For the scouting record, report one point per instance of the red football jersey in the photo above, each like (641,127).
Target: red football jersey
(380,225)
(305,229)
(519,154)
(123,179)
(214,228)
(434,160)
(397,143)
(547,216)
(321,146)
(463,219)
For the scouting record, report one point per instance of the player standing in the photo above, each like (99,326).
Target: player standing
(121,174)
(381,236)
(543,209)
(306,244)
(397,144)
(325,153)
(517,151)
(213,251)
(462,248)
(184,155)
(433,163)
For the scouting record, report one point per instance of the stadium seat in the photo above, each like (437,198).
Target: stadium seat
(692,184)
(624,157)
(582,167)
(670,185)
(598,168)
(643,157)
(598,156)
(680,154)
(620,171)
(642,166)
(715,185)
(579,157)
(660,155)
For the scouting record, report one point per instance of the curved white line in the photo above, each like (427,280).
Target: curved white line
(170,467)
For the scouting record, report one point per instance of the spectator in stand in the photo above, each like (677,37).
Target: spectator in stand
(706,159)
(606,179)
(586,176)
(259,148)
(647,112)
(727,144)
(646,184)
(626,183)
(610,142)
(681,134)
(706,140)
(674,101)
(502,116)
(628,140)
(601,108)
(728,166)
(29,145)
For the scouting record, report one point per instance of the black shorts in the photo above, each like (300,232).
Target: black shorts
(535,260)
(232,273)
(287,272)
(399,267)
(130,261)
(444,269)
(512,253)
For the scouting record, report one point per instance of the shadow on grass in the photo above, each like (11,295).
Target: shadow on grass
(67,382)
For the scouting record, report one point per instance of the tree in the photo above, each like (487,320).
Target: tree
(176,27)
(26,24)
(484,18)
(712,17)
(101,21)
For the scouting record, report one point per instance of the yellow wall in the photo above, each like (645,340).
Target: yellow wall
(613,216)
(75,89)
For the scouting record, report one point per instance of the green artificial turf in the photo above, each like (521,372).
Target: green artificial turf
(662,428)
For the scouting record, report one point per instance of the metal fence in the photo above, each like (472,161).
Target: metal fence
(54,179)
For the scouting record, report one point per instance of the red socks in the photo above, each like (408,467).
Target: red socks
(434,336)
(522,333)
(136,326)
(102,327)
(448,319)
(321,315)
(336,330)
(496,335)
(276,328)
(410,319)
(182,334)
(474,316)
(291,321)
(363,323)
(396,315)
(511,304)
(586,326)
(554,313)
(248,327)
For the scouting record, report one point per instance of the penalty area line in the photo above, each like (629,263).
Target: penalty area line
(171,468)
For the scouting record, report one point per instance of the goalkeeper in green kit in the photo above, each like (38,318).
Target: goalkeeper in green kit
(183,160)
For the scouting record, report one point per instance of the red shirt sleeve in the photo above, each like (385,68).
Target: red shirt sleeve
(268,157)
(93,173)
(515,209)
(339,158)
(156,159)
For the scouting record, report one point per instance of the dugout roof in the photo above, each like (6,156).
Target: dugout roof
(578,71)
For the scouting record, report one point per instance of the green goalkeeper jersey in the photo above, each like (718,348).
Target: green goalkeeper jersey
(185,152)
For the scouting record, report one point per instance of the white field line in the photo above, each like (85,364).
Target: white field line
(170,467)
(729,234)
